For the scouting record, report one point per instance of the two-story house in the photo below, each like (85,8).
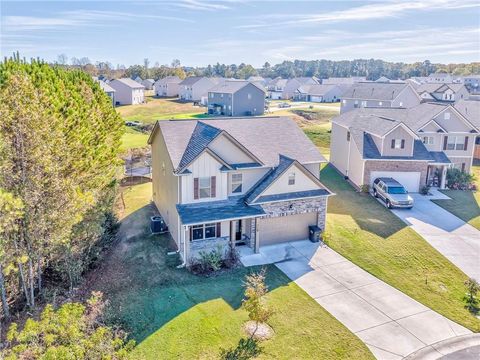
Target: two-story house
(415,146)
(344,80)
(167,86)
(107,89)
(471,110)
(128,91)
(236,181)
(382,95)
(236,98)
(275,88)
(195,88)
(148,83)
(442,92)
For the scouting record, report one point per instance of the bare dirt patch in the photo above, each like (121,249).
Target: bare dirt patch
(259,331)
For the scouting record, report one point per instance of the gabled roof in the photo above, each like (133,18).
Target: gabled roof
(371,152)
(471,110)
(316,90)
(264,137)
(168,79)
(105,87)
(375,91)
(192,80)
(232,86)
(129,82)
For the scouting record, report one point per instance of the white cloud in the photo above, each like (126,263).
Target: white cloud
(201,5)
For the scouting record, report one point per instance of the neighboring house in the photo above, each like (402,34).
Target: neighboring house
(236,98)
(128,91)
(106,88)
(442,92)
(275,88)
(318,93)
(232,182)
(471,110)
(345,81)
(168,86)
(372,94)
(444,78)
(293,84)
(138,79)
(195,88)
(148,83)
(384,79)
(415,146)
(258,80)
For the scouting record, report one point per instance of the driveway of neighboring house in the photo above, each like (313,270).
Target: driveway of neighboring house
(390,323)
(454,238)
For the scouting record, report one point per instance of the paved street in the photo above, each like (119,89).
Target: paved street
(390,323)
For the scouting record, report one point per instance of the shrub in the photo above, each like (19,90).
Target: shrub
(232,257)
(459,180)
(425,190)
(365,188)
(246,349)
(254,301)
(473,287)
(209,261)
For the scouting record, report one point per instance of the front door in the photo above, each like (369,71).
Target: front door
(238,230)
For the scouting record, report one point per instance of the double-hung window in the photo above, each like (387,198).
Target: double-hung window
(398,144)
(456,143)
(428,140)
(291,179)
(236,183)
(204,187)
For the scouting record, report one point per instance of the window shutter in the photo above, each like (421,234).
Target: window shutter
(191,233)
(219,229)
(213,185)
(393,143)
(195,188)
(445,140)
(466,143)
(403,144)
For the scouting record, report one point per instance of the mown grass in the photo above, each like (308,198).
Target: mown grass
(372,237)
(173,314)
(464,204)
(133,138)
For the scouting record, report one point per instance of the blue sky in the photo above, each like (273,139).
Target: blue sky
(199,32)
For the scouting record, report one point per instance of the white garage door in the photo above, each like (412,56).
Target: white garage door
(410,180)
(314,98)
(285,228)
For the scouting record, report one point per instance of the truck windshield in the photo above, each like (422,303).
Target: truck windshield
(396,190)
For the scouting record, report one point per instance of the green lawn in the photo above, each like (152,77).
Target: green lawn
(132,139)
(372,237)
(173,314)
(464,204)
(159,108)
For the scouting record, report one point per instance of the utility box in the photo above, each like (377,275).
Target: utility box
(158,225)
(314,233)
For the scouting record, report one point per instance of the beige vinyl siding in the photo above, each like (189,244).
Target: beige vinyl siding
(338,148)
(355,172)
(228,151)
(399,134)
(281,186)
(249,178)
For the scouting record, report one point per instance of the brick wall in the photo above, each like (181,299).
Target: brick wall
(414,166)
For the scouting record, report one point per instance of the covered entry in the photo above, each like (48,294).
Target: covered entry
(285,228)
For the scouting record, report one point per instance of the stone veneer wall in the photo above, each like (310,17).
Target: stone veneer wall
(286,208)
(207,245)
(379,165)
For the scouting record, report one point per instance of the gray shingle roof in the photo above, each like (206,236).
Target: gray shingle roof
(131,83)
(105,87)
(471,110)
(232,86)
(370,151)
(191,80)
(202,135)
(264,137)
(168,79)
(316,90)
(293,196)
(233,207)
(374,91)
(270,177)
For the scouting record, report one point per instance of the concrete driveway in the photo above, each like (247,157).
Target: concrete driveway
(390,323)
(456,240)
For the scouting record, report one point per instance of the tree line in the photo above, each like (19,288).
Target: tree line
(59,145)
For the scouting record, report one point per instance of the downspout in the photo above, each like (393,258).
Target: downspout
(348,155)
(184,263)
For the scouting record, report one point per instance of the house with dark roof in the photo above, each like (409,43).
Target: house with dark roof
(293,84)
(275,88)
(442,92)
(246,182)
(128,91)
(382,95)
(318,93)
(236,98)
(167,86)
(415,146)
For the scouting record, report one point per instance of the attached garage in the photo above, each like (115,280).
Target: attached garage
(316,98)
(409,179)
(285,228)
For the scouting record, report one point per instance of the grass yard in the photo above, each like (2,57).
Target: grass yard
(365,232)
(133,139)
(173,314)
(464,204)
(160,108)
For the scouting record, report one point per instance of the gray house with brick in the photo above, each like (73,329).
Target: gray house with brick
(236,98)
(381,95)
(415,146)
(231,182)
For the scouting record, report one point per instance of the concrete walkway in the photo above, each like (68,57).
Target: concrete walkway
(458,241)
(390,323)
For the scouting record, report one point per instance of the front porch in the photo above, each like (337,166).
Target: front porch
(437,175)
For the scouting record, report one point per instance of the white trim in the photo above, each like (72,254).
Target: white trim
(436,123)
(293,199)
(222,220)
(405,127)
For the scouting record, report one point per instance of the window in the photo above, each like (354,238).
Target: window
(204,187)
(348,135)
(428,140)
(291,179)
(364,104)
(205,231)
(236,183)
(344,102)
(249,96)
(380,103)
(456,143)
(398,144)
(446,115)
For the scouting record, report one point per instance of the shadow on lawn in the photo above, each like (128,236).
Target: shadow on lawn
(146,290)
(364,209)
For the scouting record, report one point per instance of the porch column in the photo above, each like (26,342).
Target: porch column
(186,243)
(257,237)
(232,235)
(443,180)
